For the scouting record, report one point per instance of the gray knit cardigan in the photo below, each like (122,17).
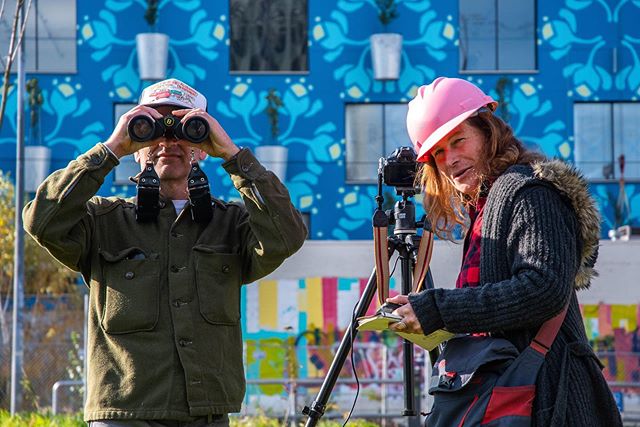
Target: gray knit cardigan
(540,232)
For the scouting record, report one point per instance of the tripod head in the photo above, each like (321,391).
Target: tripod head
(403,216)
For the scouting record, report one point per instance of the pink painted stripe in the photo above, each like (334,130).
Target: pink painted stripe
(330,301)
(373,306)
(604,320)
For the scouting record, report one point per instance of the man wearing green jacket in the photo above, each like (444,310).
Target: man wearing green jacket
(164,341)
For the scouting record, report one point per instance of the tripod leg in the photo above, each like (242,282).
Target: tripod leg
(319,404)
(411,408)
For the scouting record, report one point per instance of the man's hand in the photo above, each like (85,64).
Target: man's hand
(409,322)
(119,141)
(219,144)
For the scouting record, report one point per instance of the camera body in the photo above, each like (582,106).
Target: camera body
(399,169)
(143,128)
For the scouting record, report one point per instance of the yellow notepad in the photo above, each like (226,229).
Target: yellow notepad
(382,320)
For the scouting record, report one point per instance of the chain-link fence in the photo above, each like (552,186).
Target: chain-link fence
(52,350)
(283,375)
(283,380)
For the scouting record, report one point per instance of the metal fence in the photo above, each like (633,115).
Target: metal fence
(53,334)
(379,383)
(53,354)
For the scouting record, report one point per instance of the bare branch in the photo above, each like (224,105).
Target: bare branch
(2,8)
(13,48)
(22,30)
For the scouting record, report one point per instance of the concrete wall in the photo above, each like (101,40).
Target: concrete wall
(618,266)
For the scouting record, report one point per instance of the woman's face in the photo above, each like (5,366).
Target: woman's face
(457,157)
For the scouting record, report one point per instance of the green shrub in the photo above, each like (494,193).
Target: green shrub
(47,420)
(40,420)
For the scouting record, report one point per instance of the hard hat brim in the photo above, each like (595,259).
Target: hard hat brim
(444,130)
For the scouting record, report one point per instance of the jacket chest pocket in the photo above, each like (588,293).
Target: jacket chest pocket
(130,293)
(218,281)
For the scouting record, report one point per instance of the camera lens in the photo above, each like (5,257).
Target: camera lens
(196,130)
(141,128)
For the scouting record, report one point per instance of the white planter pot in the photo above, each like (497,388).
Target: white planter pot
(386,49)
(153,50)
(274,158)
(37,160)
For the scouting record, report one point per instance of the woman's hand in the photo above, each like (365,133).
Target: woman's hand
(409,322)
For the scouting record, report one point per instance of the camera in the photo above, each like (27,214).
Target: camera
(399,169)
(143,128)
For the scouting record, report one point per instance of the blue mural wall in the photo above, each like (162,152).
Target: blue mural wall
(575,40)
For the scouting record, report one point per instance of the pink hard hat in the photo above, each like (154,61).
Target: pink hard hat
(440,107)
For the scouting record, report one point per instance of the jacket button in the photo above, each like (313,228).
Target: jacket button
(245,168)
(175,269)
(226,268)
(129,275)
(95,159)
(184,343)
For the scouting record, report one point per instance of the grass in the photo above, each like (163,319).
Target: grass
(32,419)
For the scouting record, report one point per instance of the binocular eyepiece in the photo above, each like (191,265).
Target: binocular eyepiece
(143,128)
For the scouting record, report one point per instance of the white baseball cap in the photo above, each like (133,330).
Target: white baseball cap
(173,92)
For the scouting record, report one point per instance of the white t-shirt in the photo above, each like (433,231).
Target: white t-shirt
(179,205)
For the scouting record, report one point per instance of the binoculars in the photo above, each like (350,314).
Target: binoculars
(143,128)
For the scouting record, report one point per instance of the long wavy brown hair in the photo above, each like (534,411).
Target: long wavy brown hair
(445,206)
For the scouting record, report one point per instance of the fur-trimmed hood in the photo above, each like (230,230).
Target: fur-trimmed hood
(570,182)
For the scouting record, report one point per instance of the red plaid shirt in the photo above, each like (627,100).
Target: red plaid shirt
(470,272)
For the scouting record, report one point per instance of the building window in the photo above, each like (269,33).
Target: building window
(268,36)
(128,166)
(50,36)
(497,35)
(372,131)
(603,131)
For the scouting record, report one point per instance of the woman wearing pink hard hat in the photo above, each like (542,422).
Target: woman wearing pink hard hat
(532,231)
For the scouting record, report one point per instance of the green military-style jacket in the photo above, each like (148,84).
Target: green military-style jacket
(164,338)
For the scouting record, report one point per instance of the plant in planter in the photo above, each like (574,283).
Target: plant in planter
(273,156)
(273,104)
(504,87)
(386,47)
(152,47)
(37,156)
(35,102)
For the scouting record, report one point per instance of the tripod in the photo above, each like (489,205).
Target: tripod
(404,242)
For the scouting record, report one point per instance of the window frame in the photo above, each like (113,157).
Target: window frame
(118,171)
(269,72)
(33,14)
(534,39)
(385,144)
(611,143)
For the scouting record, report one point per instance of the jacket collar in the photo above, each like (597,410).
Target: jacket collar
(570,182)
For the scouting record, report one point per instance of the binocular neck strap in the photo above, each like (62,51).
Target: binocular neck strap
(199,194)
(148,194)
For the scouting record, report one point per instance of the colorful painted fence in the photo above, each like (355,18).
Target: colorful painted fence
(613,332)
(292,328)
